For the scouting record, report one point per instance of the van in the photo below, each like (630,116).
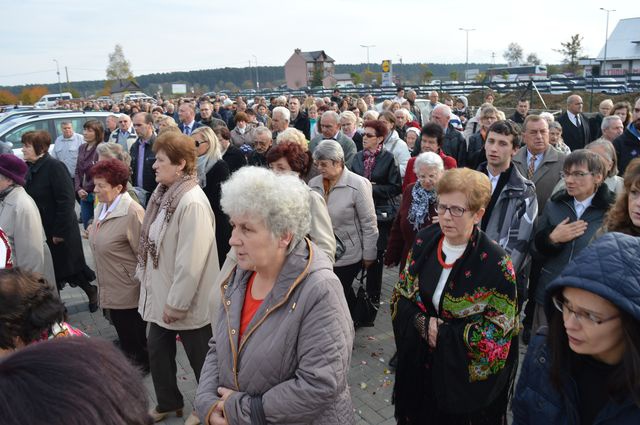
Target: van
(50,100)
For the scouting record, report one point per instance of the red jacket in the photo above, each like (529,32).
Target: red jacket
(402,234)
(410,175)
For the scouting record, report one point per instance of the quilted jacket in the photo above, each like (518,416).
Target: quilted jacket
(609,267)
(292,362)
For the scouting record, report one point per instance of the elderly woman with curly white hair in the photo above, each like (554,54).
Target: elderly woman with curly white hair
(282,343)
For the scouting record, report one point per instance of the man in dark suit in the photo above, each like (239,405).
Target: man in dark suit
(298,118)
(142,157)
(187,114)
(575,126)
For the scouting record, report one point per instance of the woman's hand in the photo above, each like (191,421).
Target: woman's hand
(368,263)
(435,219)
(566,232)
(433,331)
(169,316)
(217,416)
(82,194)
(56,240)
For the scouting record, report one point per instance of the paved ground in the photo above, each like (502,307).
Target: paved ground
(370,379)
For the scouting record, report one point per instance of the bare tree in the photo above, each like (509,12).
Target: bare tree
(119,68)
(513,54)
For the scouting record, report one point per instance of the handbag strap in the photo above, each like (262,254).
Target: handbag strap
(362,276)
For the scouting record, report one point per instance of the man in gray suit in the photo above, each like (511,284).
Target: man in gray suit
(539,161)
(330,130)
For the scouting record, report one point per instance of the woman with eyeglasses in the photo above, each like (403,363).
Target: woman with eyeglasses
(585,368)
(570,220)
(212,172)
(454,315)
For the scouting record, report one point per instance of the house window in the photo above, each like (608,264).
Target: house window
(616,66)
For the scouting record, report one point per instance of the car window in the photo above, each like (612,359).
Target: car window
(15,136)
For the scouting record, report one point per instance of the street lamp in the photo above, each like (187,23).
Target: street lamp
(367,47)
(257,81)
(58,72)
(606,39)
(466,63)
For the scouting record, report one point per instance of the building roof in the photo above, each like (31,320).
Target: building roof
(316,56)
(121,86)
(624,41)
(342,77)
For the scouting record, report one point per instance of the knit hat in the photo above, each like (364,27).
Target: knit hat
(13,168)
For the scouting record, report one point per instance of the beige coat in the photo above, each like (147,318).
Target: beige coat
(353,215)
(187,267)
(114,244)
(20,220)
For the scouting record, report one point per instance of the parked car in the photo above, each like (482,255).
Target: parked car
(51,100)
(11,134)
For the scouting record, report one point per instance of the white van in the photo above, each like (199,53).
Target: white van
(50,100)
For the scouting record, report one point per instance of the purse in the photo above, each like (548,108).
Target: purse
(365,309)
(387,213)
(340,247)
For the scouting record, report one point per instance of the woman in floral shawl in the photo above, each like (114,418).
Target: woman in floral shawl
(454,315)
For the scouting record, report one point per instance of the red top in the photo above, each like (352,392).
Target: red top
(410,175)
(249,308)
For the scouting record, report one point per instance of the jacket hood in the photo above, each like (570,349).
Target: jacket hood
(609,267)
(464,100)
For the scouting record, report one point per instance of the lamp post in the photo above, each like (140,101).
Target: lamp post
(466,62)
(58,72)
(255,58)
(606,39)
(367,47)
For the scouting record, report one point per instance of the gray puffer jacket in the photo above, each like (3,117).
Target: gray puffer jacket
(292,363)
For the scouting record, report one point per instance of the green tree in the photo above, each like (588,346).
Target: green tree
(316,79)
(533,59)
(513,54)
(247,84)
(119,68)
(453,75)
(426,74)
(367,76)
(572,51)
(355,77)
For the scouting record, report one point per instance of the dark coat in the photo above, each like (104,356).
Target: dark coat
(595,126)
(402,232)
(517,118)
(475,151)
(357,139)
(574,137)
(555,257)
(49,184)
(617,279)
(234,158)
(627,147)
(218,174)
(148,175)
(213,123)
(258,160)
(454,145)
(86,159)
(302,123)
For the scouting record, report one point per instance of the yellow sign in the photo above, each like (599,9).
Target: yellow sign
(386,66)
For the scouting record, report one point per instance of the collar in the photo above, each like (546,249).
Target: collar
(105,211)
(190,125)
(585,204)
(539,156)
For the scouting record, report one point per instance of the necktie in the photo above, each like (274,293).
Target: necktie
(187,130)
(577,121)
(532,167)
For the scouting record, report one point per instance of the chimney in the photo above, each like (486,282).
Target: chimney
(297,51)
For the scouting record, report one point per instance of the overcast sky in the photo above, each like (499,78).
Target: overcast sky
(165,36)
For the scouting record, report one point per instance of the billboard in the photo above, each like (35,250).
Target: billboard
(178,88)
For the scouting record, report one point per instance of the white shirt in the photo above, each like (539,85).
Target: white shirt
(538,161)
(66,150)
(573,118)
(452,253)
(106,211)
(581,206)
(494,180)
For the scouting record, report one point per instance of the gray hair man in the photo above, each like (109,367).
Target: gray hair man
(66,147)
(280,118)
(453,144)
(330,130)
(611,127)
(427,109)
(125,134)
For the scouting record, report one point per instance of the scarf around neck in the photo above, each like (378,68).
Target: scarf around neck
(165,198)
(370,160)
(419,209)
(205,164)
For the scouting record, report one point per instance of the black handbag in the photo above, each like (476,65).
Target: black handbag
(387,213)
(366,309)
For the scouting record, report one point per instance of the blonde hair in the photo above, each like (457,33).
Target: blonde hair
(293,135)
(473,184)
(213,153)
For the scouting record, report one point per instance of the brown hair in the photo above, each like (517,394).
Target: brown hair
(617,219)
(28,307)
(177,147)
(473,184)
(622,105)
(39,140)
(241,116)
(97,127)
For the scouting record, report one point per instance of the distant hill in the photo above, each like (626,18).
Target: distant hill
(237,78)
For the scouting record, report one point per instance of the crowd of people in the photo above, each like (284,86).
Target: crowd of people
(256,234)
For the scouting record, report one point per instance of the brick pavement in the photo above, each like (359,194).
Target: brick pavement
(370,379)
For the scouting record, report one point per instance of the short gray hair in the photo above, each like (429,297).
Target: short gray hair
(548,116)
(329,150)
(606,121)
(262,130)
(428,159)
(556,125)
(331,114)
(444,107)
(114,150)
(282,202)
(611,154)
(286,113)
(348,115)
(371,115)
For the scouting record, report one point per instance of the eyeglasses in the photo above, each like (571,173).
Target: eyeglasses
(575,174)
(137,125)
(200,143)
(123,122)
(454,210)
(585,318)
(369,135)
